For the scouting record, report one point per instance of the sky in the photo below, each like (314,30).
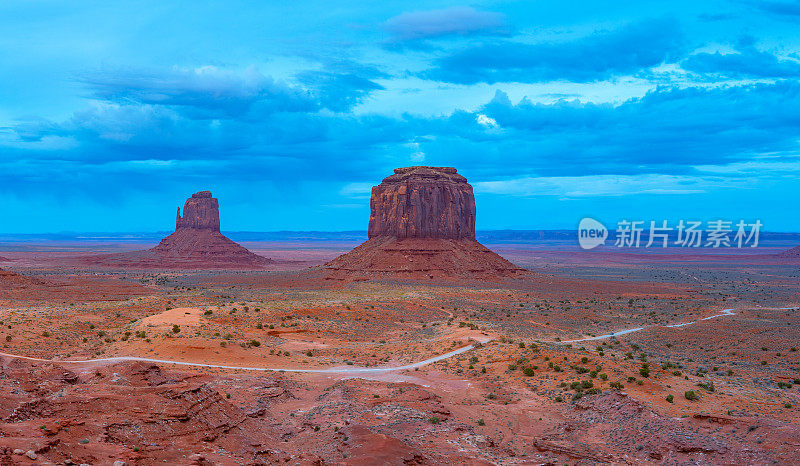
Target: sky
(113,113)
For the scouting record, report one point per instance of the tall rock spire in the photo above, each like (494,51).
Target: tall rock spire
(200,212)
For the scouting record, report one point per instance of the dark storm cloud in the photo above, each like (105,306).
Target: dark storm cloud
(598,56)
(669,130)
(212,93)
(787,8)
(336,91)
(208,90)
(746,62)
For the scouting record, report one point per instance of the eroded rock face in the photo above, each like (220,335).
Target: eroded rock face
(423,202)
(421,226)
(201,212)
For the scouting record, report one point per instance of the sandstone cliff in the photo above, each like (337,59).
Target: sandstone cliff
(423,202)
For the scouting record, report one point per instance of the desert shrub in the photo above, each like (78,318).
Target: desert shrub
(255,343)
(708,386)
(670,398)
(691,395)
(434,419)
(604,376)
(559,399)
(309,353)
(616,385)
(481,422)
(528,371)
(176,328)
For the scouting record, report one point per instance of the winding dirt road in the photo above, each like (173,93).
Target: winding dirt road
(355,370)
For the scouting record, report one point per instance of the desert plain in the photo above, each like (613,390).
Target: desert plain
(609,357)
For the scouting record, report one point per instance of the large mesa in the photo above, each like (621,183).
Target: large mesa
(422,225)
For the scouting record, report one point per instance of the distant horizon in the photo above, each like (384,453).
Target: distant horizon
(363,232)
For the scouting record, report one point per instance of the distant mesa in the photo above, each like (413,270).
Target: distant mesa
(791,253)
(422,225)
(196,243)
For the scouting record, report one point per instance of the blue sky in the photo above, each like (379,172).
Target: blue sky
(112,113)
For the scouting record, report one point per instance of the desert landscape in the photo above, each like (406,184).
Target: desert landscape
(407,233)
(431,350)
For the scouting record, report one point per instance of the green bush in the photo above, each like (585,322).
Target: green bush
(670,398)
(691,395)
(528,372)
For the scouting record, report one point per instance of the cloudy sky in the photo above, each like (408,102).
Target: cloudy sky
(112,113)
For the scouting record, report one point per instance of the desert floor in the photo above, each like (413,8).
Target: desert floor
(539,378)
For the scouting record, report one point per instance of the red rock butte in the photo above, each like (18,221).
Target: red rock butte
(422,225)
(196,243)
